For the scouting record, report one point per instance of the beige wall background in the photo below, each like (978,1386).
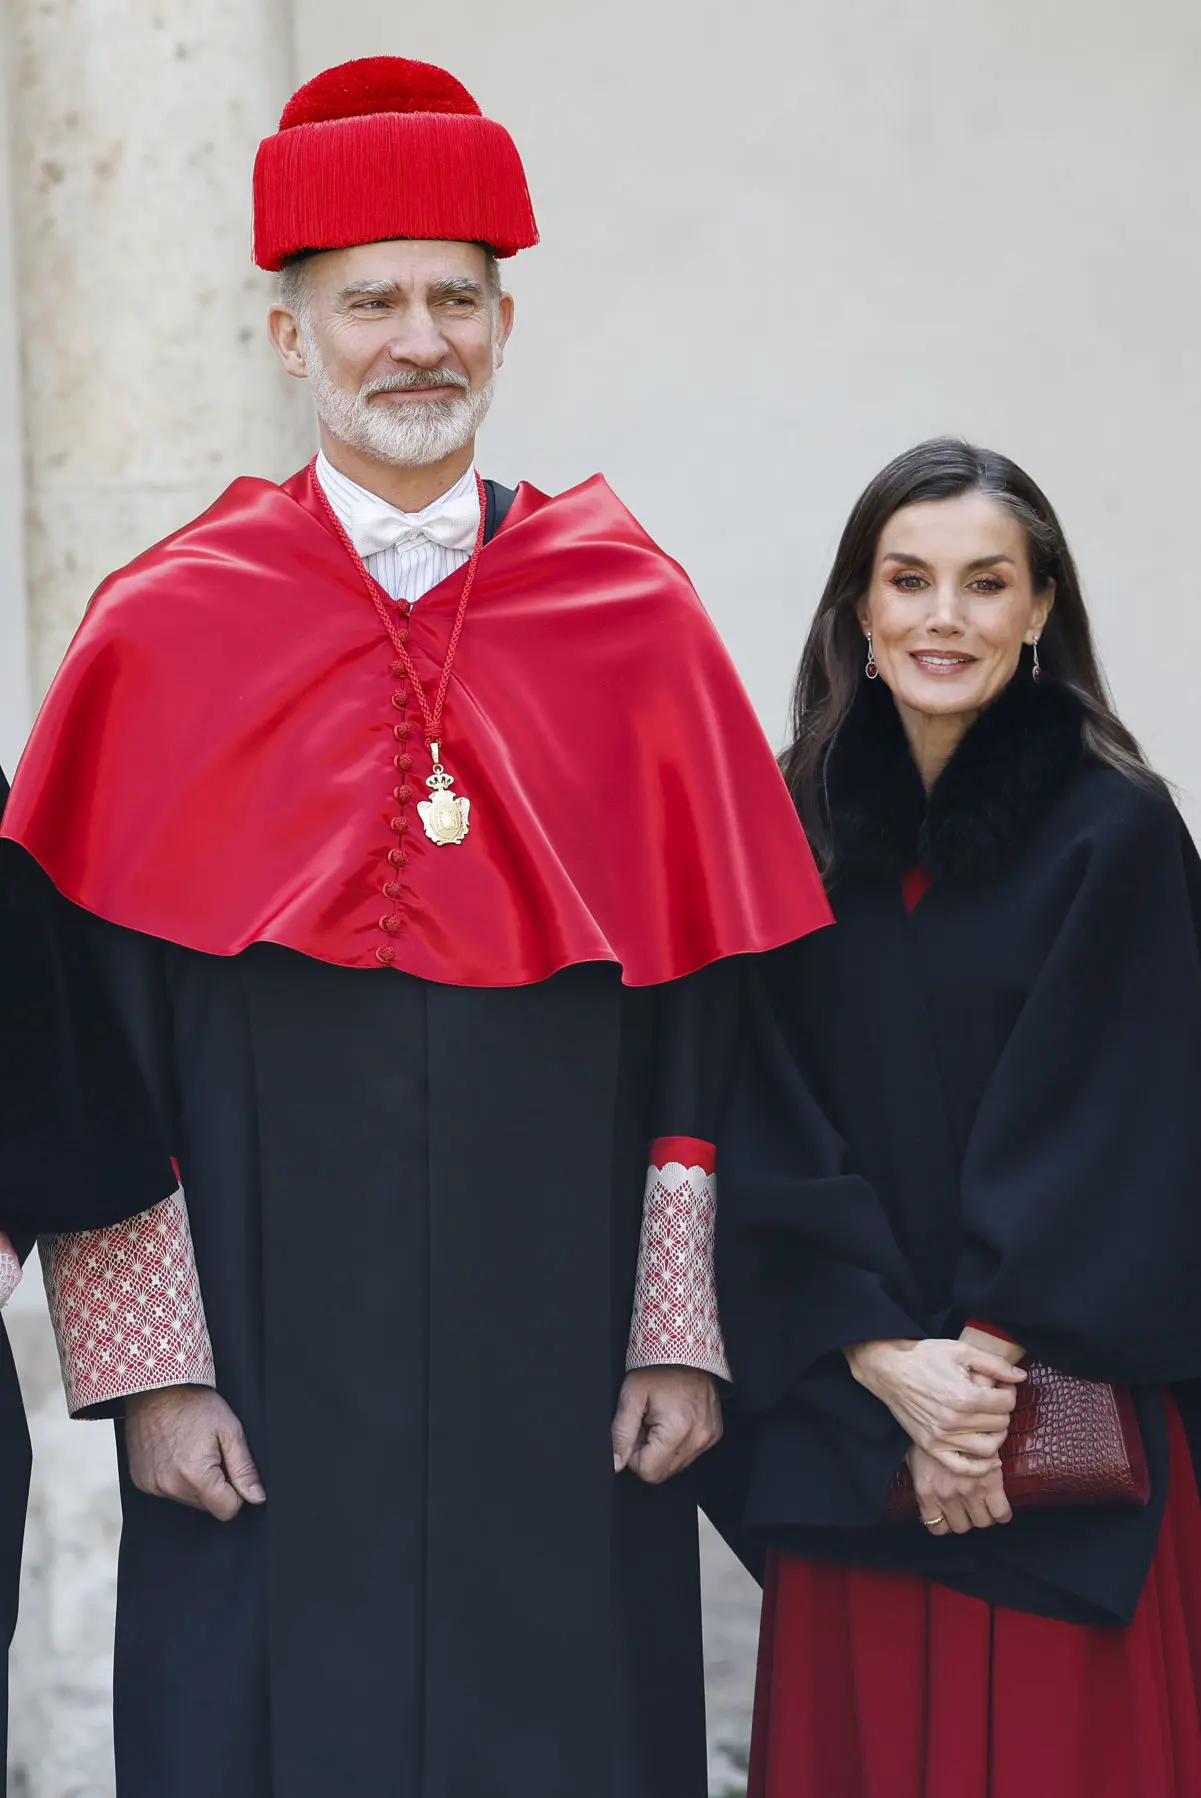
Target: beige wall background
(14,644)
(782,241)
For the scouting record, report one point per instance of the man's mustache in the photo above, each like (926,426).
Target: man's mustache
(405,380)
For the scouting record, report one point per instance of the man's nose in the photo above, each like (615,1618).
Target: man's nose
(418,340)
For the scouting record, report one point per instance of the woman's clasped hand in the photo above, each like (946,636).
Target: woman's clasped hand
(954,1400)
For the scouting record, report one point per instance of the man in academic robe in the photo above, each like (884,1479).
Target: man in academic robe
(78,1141)
(421,823)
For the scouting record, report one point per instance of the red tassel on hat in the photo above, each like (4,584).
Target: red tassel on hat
(384,148)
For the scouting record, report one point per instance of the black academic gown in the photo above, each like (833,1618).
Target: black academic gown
(78,1146)
(416,1213)
(983,1109)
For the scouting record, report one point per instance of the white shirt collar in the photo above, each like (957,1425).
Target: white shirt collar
(372,524)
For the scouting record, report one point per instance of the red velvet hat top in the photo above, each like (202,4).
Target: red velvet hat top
(384,148)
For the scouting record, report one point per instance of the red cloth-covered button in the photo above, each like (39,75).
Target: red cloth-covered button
(400,699)
(399,825)
(403,607)
(404,794)
(397,668)
(385,953)
(402,635)
(392,890)
(403,762)
(397,857)
(391,923)
(402,732)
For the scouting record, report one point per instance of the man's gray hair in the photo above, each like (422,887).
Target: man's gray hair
(294,283)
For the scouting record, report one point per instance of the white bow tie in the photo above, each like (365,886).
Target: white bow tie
(451,522)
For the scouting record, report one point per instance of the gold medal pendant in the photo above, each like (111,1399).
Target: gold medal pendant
(445,816)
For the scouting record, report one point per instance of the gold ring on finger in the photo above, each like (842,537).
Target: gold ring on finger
(932,1523)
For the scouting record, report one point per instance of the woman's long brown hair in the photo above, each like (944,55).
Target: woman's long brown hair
(832,663)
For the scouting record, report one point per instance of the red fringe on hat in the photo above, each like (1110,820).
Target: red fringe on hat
(387,148)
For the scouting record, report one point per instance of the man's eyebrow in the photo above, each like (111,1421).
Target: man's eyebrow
(457,284)
(391,290)
(358,290)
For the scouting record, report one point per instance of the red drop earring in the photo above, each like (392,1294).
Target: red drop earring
(872,671)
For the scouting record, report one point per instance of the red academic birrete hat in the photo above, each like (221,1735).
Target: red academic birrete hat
(384,148)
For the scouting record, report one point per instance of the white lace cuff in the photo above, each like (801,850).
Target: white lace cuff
(126,1307)
(10,1270)
(676,1320)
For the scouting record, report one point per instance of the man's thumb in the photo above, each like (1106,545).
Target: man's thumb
(240,1469)
(627,1426)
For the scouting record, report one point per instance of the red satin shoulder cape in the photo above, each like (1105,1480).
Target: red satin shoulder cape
(215,762)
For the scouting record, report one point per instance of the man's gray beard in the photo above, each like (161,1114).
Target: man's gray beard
(407,436)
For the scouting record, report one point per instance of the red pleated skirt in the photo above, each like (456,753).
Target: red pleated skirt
(883,1685)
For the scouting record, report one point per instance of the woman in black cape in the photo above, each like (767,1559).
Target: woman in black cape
(78,1148)
(969,1131)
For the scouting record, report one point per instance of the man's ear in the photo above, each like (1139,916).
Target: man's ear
(503,329)
(288,339)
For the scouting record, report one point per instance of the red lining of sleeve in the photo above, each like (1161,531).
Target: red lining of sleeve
(973,1323)
(689,1151)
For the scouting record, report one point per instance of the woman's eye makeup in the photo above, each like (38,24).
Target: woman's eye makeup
(909,581)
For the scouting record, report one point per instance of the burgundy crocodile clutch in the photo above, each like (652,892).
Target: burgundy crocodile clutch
(1070,1442)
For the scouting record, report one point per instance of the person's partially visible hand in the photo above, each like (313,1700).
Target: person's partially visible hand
(10,1270)
(953,1399)
(963,1501)
(666,1417)
(994,1345)
(184,1443)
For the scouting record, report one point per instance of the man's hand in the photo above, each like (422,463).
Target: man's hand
(186,1444)
(666,1417)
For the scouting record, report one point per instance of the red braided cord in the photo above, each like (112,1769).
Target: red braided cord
(431,719)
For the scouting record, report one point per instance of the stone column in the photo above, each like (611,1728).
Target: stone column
(147,384)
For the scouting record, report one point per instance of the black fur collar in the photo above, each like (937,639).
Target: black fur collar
(1001,781)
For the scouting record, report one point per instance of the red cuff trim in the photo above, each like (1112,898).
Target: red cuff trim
(973,1323)
(689,1151)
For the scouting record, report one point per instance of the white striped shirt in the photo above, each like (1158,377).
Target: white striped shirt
(406,570)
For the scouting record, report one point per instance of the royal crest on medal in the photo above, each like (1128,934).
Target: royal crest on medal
(445,816)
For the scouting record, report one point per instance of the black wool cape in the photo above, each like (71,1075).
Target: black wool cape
(988,1109)
(79,1147)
